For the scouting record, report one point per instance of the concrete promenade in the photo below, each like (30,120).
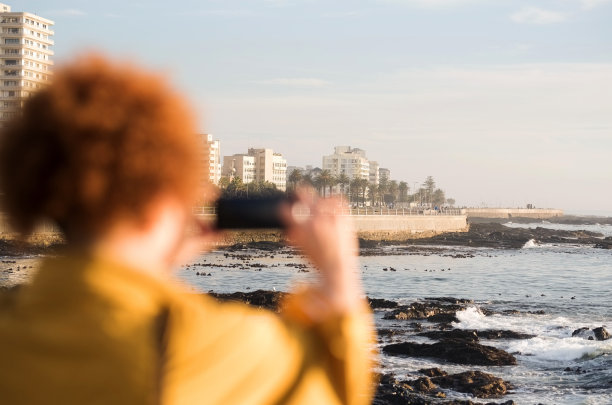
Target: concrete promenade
(536,213)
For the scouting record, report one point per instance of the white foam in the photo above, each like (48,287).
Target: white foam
(531,243)
(564,349)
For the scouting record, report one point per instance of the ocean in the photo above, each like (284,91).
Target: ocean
(570,284)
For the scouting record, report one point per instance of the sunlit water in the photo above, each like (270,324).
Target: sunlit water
(571,284)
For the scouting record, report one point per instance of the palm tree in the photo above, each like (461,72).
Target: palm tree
(343,180)
(294,178)
(360,185)
(324,180)
(307,180)
(373,193)
(393,191)
(403,191)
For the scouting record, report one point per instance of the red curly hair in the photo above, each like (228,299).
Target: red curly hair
(95,147)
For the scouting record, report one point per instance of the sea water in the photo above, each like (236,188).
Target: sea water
(571,284)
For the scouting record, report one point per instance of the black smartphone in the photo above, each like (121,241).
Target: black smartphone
(250,213)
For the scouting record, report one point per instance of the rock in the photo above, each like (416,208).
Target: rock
(433,372)
(502,334)
(477,383)
(581,332)
(454,350)
(592,334)
(462,334)
(601,333)
(258,298)
(424,310)
(392,392)
(380,303)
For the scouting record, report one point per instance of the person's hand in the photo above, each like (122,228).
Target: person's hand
(326,237)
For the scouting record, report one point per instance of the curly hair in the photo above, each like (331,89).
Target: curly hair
(96,146)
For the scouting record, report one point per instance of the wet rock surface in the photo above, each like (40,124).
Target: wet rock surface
(259,298)
(600,333)
(474,335)
(477,383)
(500,236)
(457,351)
(426,391)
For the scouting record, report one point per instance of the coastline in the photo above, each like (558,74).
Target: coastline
(482,232)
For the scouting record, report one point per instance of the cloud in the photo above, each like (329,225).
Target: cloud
(538,16)
(590,4)
(436,4)
(68,12)
(296,82)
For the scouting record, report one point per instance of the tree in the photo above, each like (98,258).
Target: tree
(294,178)
(438,198)
(392,192)
(307,180)
(383,186)
(429,185)
(324,180)
(343,180)
(358,188)
(403,191)
(450,201)
(373,193)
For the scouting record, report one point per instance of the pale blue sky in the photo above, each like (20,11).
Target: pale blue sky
(504,102)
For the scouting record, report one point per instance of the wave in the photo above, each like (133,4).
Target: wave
(564,349)
(553,341)
(531,243)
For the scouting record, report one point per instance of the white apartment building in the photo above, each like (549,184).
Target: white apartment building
(210,152)
(270,166)
(25,58)
(384,173)
(239,165)
(257,165)
(347,160)
(374,172)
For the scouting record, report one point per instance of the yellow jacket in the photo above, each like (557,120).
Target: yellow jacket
(89,331)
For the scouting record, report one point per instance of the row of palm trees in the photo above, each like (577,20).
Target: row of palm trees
(358,190)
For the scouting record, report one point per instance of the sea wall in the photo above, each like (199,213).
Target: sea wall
(536,213)
(373,227)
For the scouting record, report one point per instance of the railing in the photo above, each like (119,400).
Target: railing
(363,211)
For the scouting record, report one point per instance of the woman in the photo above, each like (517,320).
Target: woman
(107,153)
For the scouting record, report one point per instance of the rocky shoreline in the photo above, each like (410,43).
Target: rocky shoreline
(431,318)
(490,235)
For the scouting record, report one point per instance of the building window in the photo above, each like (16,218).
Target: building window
(11,41)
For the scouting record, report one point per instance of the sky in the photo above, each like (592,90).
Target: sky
(504,102)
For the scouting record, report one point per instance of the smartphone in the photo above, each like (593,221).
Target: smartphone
(250,213)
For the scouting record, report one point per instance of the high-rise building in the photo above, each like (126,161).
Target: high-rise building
(384,173)
(270,166)
(347,160)
(210,158)
(239,165)
(25,58)
(257,165)
(374,173)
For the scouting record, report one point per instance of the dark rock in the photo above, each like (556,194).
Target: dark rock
(381,303)
(454,350)
(474,335)
(601,333)
(392,392)
(259,298)
(477,383)
(502,334)
(581,332)
(451,334)
(433,372)
(386,332)
(423,310)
